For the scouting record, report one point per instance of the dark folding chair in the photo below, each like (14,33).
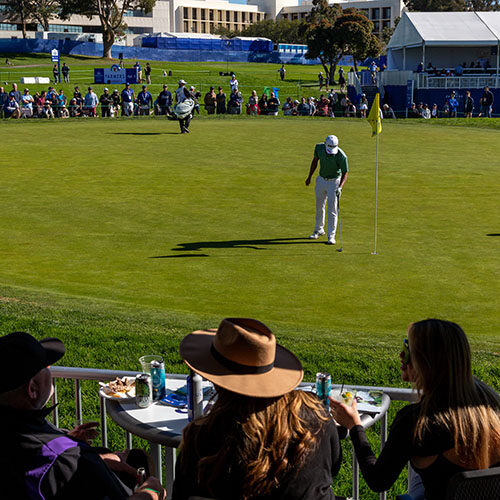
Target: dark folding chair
(481,484)
(475,485)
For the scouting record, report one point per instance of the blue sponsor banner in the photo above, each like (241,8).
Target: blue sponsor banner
(409,93)
(115,75)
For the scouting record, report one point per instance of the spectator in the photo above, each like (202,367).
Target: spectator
(37,456)
(303,109)
(413,112)
(63,111)
(322,109)
(106,101)
(233,83)
(263,104)
(147,73)
(287,107)
(210,101)
(75,108)
(388,112)
(487,103)
(342,81)
(373,72)
(165,101)
(363,106)
(282,72)
(15,93)
(312,106)
(235,100)
(144,101)
(65,72)
(4,97)
(350,111)
(420,108)
(453,102)
(426,112)
(90,103)
(420,67)
(273,105)
(11,108)
(138,70)
(459,70)
(262,438)
(434,111)
(40,104)
(343,104)
(253,104)
(221,101)
(321,80)
(196,96)
(446,110)
(295,106)
(55,73)
(27,104)
(116,102)
(77,95)
(454,426)
(61,102)
(468,105)
(127,100)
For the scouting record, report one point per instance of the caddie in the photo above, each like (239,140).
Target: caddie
(332,176)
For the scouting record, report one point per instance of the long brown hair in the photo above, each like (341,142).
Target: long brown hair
(451,397)
(261,439)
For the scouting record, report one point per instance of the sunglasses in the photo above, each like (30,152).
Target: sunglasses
(405,353)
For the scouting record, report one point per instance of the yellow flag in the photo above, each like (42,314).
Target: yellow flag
(374,116)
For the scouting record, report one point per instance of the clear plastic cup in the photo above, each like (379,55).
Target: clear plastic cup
(146,361)
(346,396)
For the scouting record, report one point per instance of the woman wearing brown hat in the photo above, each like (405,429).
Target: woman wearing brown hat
(261,439)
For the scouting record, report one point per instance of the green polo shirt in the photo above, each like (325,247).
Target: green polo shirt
(330,166)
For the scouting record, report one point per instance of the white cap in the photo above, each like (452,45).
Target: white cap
(181,82)
(191,88)
(332,144)
(105,88)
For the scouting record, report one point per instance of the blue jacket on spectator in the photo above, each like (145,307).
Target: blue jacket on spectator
(127,95)
(144,98)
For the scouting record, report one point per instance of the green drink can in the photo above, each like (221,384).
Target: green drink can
(143,390)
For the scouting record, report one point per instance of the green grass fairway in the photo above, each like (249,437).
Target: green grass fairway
(216,222)
(121,236)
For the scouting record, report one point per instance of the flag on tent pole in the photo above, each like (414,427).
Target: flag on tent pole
(374,116)
(376,122)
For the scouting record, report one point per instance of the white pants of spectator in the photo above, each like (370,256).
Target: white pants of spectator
(128,108)
(26,112)
(326,195)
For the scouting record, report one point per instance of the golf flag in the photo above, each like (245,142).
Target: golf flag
(374,116)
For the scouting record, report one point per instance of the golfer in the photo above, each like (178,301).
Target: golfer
(329,183)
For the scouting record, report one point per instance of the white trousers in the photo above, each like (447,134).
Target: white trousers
(326,190)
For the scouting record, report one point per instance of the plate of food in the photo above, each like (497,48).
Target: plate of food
(120,388)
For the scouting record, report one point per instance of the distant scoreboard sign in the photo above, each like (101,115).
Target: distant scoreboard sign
(116,75)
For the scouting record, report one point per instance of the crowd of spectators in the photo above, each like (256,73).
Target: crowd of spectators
(459,70)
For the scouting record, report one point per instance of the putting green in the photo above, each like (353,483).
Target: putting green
(216,222)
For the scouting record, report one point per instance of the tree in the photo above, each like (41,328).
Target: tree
(43,11)
(356,38)
(110,14)
(18,10)
(483,5)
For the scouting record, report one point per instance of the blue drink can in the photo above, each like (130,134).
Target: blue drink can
(323,386)
(158,378)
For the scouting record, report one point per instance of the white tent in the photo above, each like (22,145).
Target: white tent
(449,37)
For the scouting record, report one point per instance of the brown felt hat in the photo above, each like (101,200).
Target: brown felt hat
(242,356)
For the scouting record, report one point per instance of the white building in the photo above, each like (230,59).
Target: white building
(201,16)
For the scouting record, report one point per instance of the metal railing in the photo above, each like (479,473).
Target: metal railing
(426,81)
(98,375)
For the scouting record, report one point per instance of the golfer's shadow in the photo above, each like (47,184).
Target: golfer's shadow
(252,244)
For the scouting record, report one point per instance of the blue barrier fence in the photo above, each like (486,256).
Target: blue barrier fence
(72,47)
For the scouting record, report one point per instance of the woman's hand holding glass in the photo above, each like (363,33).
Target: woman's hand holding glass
(347,416)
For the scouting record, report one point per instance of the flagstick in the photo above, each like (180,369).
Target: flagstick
(376,192)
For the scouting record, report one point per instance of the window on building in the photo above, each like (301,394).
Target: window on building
(211,14)
(376,26)
(228,26)
(235,16)
(285,16)
(295,16)
(8,27)
(386,24)
(220,15)
(228,15)
(243,17)
(186,27)
(194,13)
(258,17)
(365,12)
(203,14)
(376,13)
(186,13)
(250,17)
(61,28)
(203,27)
(386,13)
(194,27)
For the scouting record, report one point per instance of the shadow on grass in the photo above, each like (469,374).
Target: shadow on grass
(252,244)
(143,133)
(493,234)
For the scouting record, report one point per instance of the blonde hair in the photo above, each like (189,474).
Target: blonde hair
(450,396)
(263,438)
